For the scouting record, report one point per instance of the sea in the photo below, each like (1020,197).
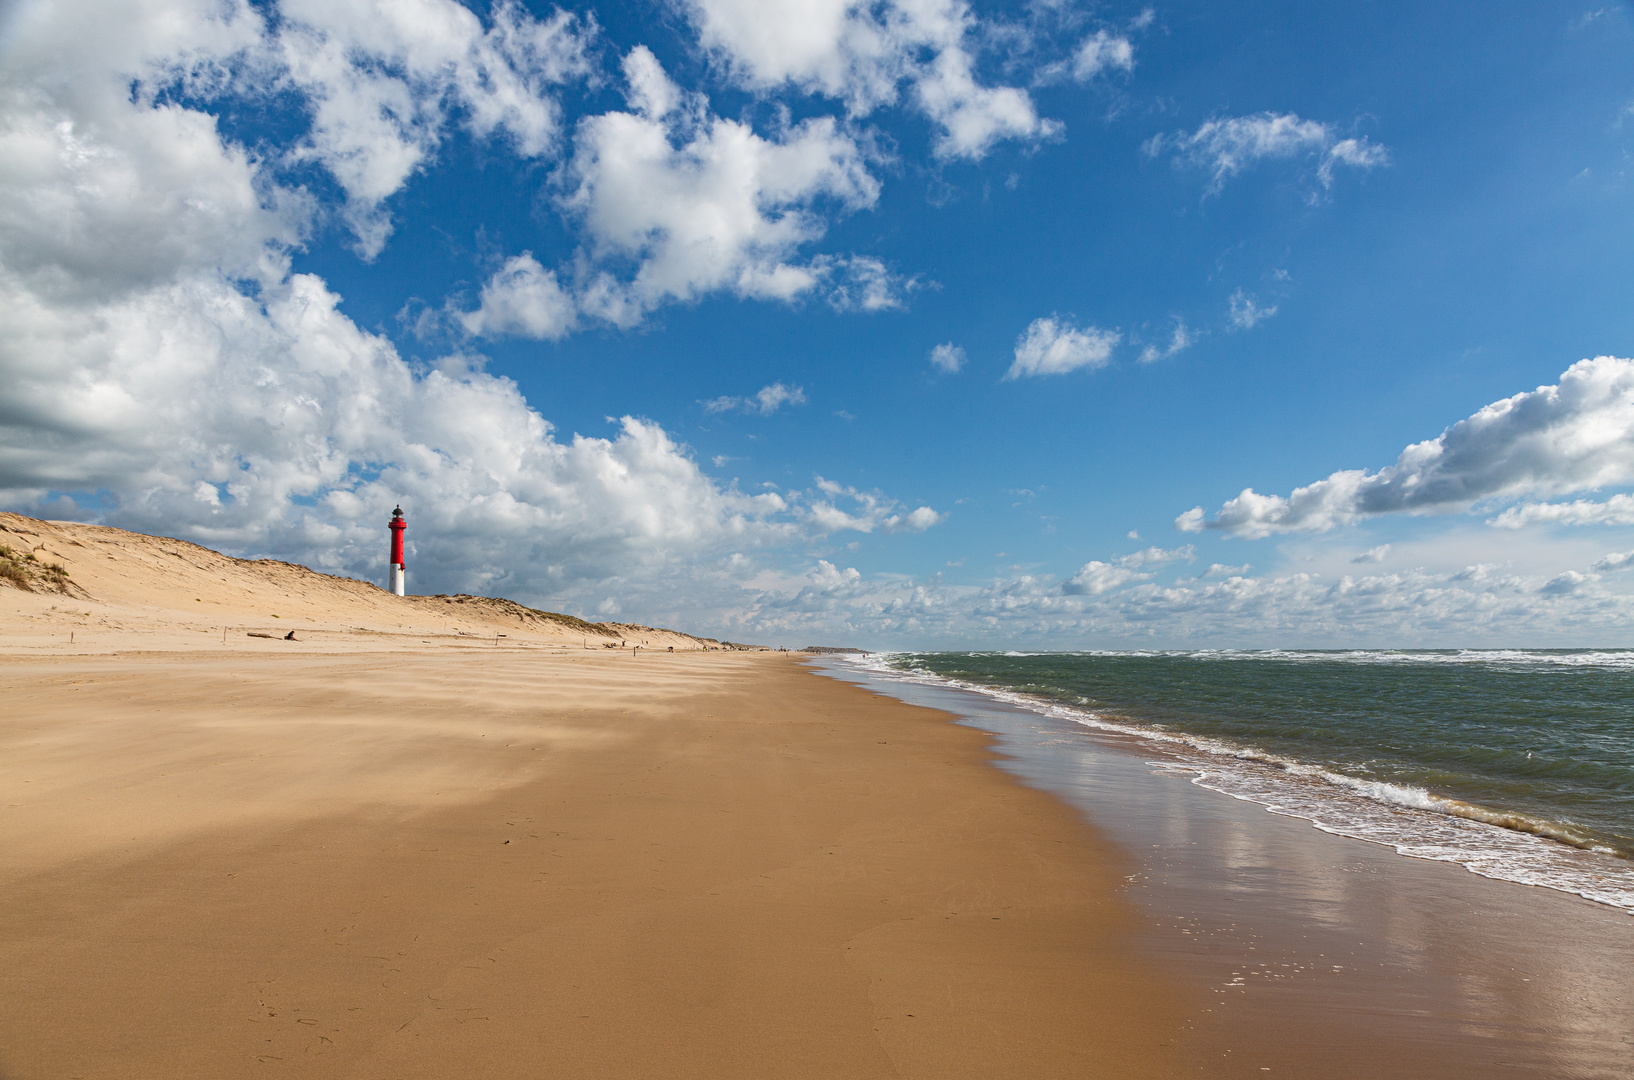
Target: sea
(1516,764)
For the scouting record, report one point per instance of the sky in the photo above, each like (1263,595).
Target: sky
(903,324)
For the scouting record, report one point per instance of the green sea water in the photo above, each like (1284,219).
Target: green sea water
(1532,751)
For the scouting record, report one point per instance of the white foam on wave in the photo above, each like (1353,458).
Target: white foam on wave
(1499,844)
(1615,659)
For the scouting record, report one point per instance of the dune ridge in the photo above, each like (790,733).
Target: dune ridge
(96,585)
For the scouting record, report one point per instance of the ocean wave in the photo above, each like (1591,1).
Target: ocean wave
(1493,842)
(1616,659)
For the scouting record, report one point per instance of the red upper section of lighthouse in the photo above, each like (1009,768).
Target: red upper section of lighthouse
(397,527)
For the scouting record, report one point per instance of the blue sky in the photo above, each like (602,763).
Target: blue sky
(915,323)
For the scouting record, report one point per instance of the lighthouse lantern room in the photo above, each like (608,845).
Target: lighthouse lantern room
(397,527)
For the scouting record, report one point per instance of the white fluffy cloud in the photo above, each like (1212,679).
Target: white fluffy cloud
(159,351)
(381,81)
(1108,605)
(1576,435)
(278,425)
(1054,346)
(1095,577)
(1372,555)
(1617,510)
(865,53)
(1228,145)
(1621,560)
(522,298)
(764,402)
(870,511)
(677,203)
(101,186)
(383,78)
(697,203)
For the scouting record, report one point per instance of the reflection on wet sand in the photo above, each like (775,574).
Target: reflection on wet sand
(1323,955)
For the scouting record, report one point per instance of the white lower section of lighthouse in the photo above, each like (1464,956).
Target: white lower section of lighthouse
(397,579)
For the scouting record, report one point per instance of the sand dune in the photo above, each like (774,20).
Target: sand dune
(123,590)
(402,846)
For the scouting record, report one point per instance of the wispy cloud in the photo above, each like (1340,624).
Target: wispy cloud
(764,402)
(1182,337)
(1102,51)
(1247,312)
(948,357)
(1228,145)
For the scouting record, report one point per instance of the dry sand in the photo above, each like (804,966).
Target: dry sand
(337,858)
(125,591)
(404,846)
(429,864)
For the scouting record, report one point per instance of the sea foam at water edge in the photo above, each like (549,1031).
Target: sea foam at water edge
(1516,765)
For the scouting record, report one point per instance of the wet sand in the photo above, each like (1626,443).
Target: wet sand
(509,863)
(1320,955)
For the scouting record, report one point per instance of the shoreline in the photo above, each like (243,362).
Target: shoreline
(430,861)
(1515,844)
(1326,954)
(553,864)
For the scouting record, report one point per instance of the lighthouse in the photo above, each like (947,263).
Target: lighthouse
(397,527)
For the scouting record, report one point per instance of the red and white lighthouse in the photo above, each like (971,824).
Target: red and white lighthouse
(397,527)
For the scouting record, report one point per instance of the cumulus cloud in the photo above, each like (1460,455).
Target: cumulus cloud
(870,511)
(161,354)
(1617,510)
(384,79)
(973,117)
(700,204)
(101,184)
(1226,146)
(866,54)
(1373,555)
(305,429)
(1223,607)
(948,358)
(1095,578)
(1054,346)
(1572,436)
(1615,561)
(764,402)
(677,203)
(522,298)
(1565,584)
(381,82)
(1224,570)
(652,93)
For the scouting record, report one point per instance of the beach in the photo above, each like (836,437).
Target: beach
(410,843)
(461,863)
(1317,953)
